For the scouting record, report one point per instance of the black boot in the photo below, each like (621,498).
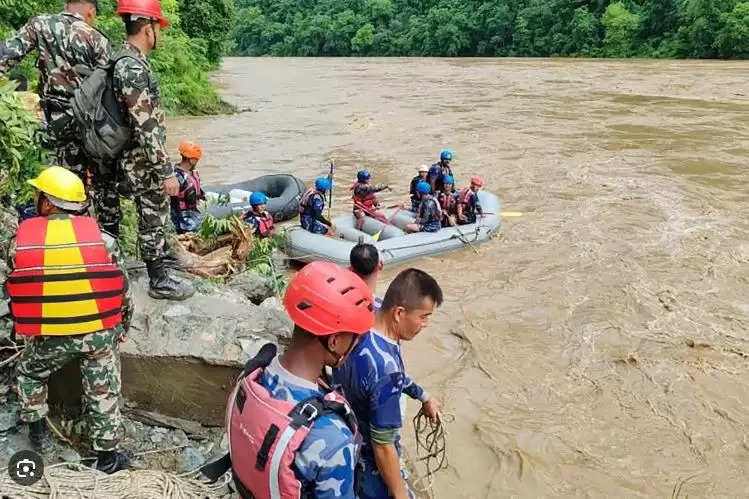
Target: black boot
(111,461)
(165,287)
(41,438)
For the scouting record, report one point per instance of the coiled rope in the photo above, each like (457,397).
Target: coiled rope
(431,448)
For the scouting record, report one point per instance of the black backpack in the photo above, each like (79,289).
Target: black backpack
(104,126)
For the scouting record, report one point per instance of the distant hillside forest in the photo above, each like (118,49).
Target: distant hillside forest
(521,28)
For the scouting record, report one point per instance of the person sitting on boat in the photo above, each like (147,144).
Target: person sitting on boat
(429,216)
(438,171)
(448,202)
(184,206)
(311,208)
(469,205)
(258,217)
(365,262)
(365,198)
(421,177)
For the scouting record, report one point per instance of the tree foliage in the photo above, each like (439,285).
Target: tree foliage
(625,28)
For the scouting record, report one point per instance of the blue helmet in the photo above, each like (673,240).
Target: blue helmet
(448,179)
(447,154)
(363,175)
(323,184)
(257,198)
(423,188)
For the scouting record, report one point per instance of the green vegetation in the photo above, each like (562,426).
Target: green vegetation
(182,60)
(538,28)
(20,152)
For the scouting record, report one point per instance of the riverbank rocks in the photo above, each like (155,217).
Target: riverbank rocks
(254,287)
(180,358)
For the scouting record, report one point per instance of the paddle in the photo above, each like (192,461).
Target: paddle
(330,193)
(505,214)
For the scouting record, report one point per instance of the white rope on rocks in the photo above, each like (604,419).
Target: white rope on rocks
(68,481)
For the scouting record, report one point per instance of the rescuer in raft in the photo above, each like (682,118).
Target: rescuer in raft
(290,435)
(448,202)
(429,215)
(311,208)
(365,198)
(415,199)
(469,206)
(260,220)
(69,295)
(184,206)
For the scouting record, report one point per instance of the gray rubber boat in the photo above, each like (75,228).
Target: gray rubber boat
(284,193)
(394,244)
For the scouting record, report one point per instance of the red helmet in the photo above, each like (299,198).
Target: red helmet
(145,8)
(325,299)
(477,180)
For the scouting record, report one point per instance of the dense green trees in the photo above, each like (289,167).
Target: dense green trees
(598,28)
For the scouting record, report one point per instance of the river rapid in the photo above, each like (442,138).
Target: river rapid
(599,346)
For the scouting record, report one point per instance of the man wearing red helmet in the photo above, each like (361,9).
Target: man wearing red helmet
(289,434)
(469,205)
(145,160)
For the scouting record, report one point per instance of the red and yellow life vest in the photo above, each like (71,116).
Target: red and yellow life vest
(64,281)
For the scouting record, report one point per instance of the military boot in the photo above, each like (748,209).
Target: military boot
(112,461)
(162,286)
(41,438)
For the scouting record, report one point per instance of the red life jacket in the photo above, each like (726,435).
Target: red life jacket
(188,197)
(264,223)
(368,202)
(264,433)
(64,281)
(465,195)
(448,203)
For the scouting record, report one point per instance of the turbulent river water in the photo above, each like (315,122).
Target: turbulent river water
(599,346)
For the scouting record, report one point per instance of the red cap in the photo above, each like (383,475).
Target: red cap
(325,299)
(145,8)
(477,180)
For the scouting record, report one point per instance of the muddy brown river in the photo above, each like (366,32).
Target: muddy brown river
(599,346)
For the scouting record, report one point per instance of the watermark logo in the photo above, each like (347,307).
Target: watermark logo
(26,467)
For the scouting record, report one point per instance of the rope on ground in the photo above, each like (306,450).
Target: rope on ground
(431,448)
(67,480)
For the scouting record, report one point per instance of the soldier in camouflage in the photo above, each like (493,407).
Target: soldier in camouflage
(96,351)
(145,161)
(69,49)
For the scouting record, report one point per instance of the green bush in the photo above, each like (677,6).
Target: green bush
(20,152)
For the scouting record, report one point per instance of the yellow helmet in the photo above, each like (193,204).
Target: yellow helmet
(62,187)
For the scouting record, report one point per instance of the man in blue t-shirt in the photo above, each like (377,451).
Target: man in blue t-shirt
(374,380)
(365,262)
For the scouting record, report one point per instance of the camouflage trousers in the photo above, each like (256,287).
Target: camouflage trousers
(100,372)
(152,205)
(103,190)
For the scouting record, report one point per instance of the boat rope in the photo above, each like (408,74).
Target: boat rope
(431,448)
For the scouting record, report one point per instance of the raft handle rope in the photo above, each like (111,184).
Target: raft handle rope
(431,448)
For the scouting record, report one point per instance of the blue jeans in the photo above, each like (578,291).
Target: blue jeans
(430,227)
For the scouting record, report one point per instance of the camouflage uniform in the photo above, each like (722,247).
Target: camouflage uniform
(146,162)
(64,41)
(100,368)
